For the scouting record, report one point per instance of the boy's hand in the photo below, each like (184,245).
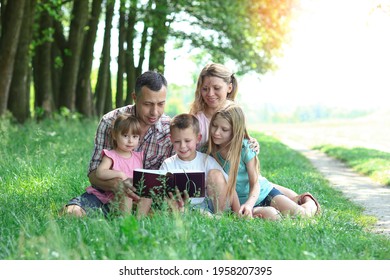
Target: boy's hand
(177,202)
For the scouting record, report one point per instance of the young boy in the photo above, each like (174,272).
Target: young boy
(185,136)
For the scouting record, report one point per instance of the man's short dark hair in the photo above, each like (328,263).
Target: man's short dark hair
(150,79)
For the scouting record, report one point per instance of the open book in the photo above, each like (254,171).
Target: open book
(159,182)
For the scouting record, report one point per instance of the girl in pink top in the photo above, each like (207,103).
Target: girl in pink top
(120,163)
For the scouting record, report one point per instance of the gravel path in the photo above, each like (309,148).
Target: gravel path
(374,197)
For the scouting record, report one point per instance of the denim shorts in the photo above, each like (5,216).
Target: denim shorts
(90,204)
(267,200)
(207,205)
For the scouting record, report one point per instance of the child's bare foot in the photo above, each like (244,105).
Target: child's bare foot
(309,203)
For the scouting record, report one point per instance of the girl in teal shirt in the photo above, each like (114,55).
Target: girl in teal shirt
(228,143)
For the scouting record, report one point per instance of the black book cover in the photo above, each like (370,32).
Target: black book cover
(159,182)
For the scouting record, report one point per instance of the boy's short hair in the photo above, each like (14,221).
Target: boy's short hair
(183,121)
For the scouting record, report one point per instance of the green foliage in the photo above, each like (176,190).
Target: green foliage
(374,163)
(44,165)
(250,32)
(179,99)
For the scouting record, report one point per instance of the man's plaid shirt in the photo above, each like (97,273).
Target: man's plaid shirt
(156,144)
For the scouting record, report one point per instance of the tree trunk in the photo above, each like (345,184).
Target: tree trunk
(84,100)
(108,101)
(43,68)
(72,60)
(19,94)
(159,37)
(130,64)
(121,55)
(104,68)
(12,21)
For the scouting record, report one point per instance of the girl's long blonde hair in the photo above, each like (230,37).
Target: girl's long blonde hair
(235,116)
(213,70)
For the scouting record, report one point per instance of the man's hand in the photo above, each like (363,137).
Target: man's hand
(129,189)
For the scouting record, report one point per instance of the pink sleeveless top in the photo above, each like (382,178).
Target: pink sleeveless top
(119,163)
(204,124)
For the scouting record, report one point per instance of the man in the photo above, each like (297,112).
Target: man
(149,104)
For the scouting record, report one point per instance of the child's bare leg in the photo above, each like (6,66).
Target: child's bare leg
(143,207)
(235,205)
(74,210)
(217,190)
(309,203)
(288,207)
(126,205)
(286,191)
(266,212)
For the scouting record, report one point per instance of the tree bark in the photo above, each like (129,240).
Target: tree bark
(104,68)
(159,37)
(42,68)
(72,59)
(19,94)
(121,55)
(12,22)
(84,99)
(130,63)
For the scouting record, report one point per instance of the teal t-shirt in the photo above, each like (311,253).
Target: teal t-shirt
(242,186)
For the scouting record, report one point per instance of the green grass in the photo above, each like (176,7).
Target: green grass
(373,163)
(44,164)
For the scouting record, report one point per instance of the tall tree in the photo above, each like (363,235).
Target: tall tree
(130,54)
(121,54)
(43,60)
(73,54)
(159,37)
(84,98)
(19,93)
(103,85)
(11,23)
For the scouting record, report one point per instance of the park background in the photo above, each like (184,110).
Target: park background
(300,65)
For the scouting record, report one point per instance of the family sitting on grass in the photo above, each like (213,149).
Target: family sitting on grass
(212,137)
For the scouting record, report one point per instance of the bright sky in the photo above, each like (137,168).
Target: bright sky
(338,55)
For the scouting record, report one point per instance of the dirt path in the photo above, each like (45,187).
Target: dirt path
(374,197)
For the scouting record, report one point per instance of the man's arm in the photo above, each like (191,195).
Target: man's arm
(105,185)
(114,185)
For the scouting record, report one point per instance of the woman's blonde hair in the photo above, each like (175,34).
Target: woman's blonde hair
(234,115)
(213,70)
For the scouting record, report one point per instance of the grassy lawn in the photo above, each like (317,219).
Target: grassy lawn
(373,163)
(44,164)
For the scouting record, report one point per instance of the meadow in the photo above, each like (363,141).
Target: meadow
(362,143)
(44,164)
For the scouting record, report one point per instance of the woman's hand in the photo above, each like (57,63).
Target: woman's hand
(254,145)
